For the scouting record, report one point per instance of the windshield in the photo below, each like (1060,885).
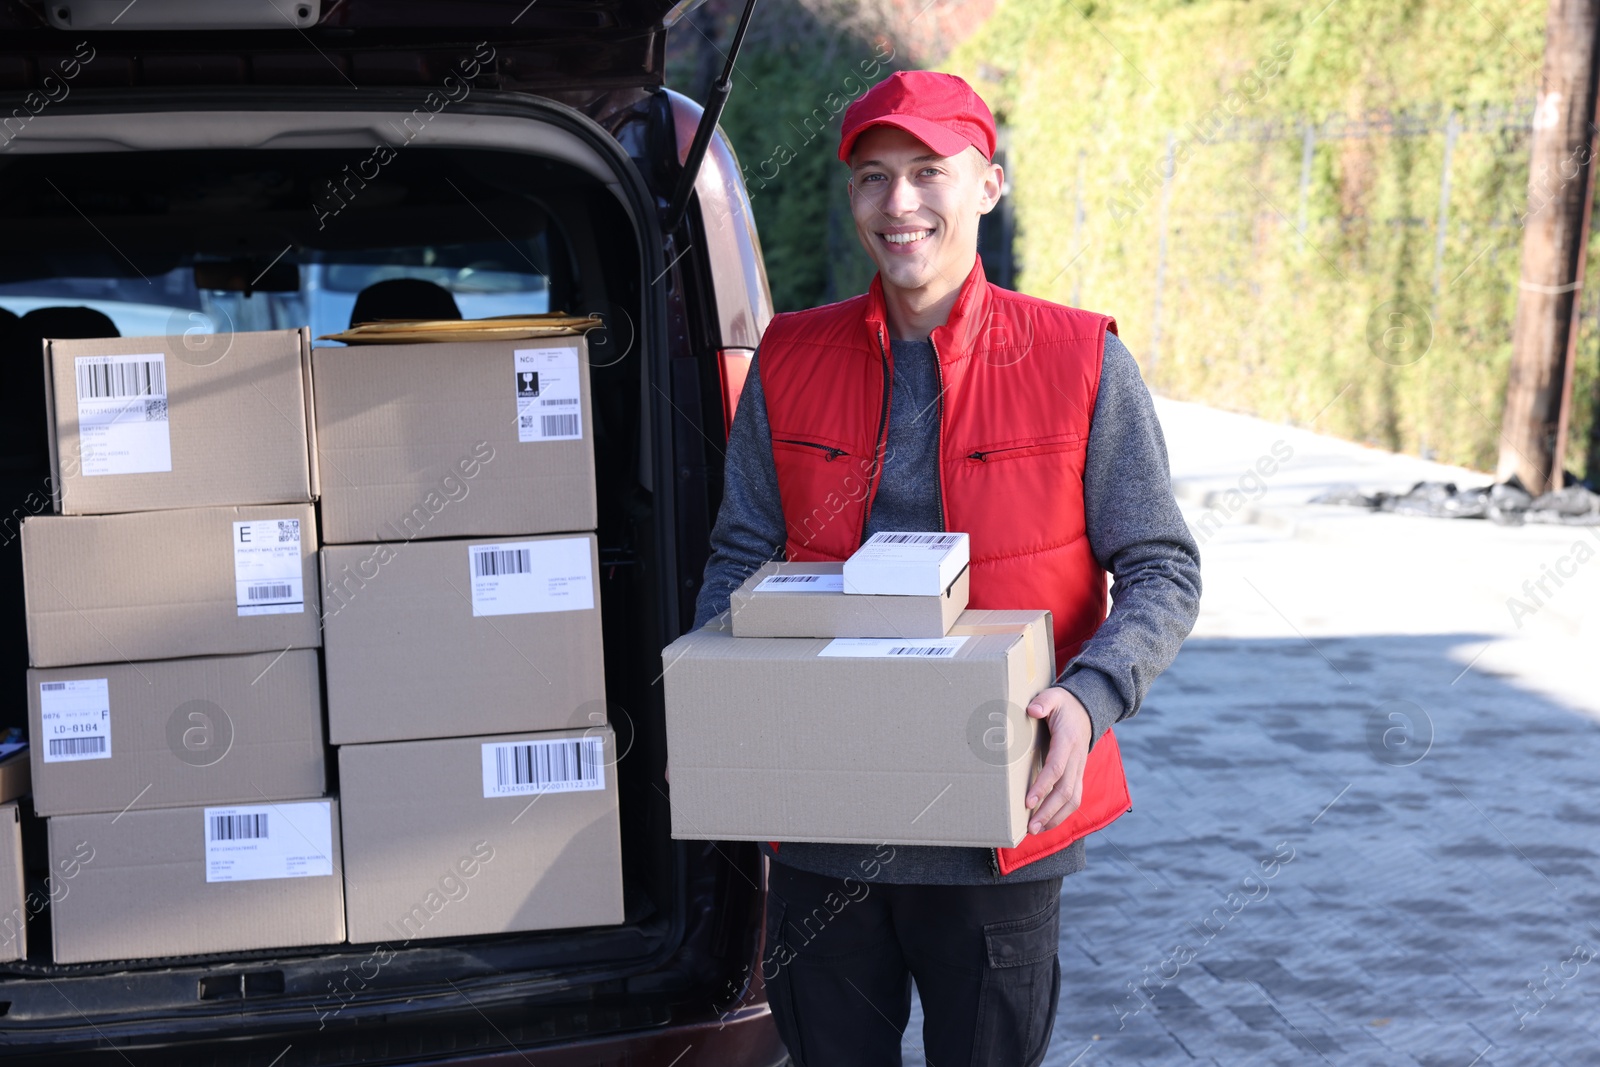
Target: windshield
(485,279)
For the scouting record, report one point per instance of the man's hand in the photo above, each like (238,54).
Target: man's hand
(1058,789)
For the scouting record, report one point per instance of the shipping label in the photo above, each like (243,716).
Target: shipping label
(246,843)
(801,583)
(267,574)
(75,719)
(563,765)
(122,414)
(549,396)
(893,647)
(523,577)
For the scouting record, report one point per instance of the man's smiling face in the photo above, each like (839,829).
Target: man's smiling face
(916,212)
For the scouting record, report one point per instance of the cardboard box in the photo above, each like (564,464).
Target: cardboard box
(808,600)
(151,423)
(130,736)
(479,848)
(468,439)
(13,894)
(455,638)
(794,739)
(15,777)
(906,564)
(165,584)
(196,881)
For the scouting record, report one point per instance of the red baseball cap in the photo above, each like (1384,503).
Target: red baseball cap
(940,110)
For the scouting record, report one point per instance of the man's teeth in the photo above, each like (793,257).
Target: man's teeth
(905,238)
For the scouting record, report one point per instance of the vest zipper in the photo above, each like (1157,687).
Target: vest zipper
(994,862)
(833,453)
(983,457)
(938,464)
(883,426)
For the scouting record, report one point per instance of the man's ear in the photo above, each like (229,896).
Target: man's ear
(994,177)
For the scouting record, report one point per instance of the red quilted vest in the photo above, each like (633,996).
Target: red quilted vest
(1019,380)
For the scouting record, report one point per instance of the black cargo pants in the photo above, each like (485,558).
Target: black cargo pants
(841,954)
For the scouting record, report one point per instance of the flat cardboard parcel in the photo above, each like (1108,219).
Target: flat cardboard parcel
(151,423)
(142,885)
(794,607)
(450,440)
(441,841)
(166,585)
(784,739)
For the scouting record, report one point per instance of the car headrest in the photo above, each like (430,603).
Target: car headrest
(403,298)
(67,322)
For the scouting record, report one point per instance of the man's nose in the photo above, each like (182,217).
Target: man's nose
(901,197)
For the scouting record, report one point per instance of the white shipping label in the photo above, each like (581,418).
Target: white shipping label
(248,843)
(906,547)
(523,577)
(549,397)
(122,414)
(893,647)
(801,583)
(267,575)
(75,718)
(564,765)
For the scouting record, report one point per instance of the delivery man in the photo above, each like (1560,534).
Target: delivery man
(937,401)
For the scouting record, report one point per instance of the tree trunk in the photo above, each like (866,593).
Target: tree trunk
(1560,183)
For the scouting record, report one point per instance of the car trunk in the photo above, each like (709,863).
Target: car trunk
(110,201)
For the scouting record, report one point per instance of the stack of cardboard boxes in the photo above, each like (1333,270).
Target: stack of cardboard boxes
(858,702)
(175,710)
(466,685)
(177,603)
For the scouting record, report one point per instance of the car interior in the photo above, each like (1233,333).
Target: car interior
(170,239)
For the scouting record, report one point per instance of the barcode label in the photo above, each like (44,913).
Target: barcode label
(248,843)
(892,648)
(801,583)
(552,426)
(122,414)
(268,574)
(77,747)
(489,562)
(133,377)
(914,539)
(75,720)
(523,577)
(563,765)
(237,827)
(548,378)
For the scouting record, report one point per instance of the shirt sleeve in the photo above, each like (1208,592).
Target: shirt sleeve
(749,530)
(1137,534)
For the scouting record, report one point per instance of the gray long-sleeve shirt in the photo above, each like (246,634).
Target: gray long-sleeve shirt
(1135,531)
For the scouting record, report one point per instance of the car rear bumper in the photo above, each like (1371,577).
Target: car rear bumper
(746,1038)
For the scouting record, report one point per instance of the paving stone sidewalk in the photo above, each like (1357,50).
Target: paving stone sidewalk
(1366,821)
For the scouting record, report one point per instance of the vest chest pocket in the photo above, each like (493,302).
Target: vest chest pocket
(1010,450)
(814,449)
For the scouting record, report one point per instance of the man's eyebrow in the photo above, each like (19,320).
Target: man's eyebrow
(914,159)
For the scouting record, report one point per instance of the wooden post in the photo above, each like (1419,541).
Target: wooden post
(1555,237)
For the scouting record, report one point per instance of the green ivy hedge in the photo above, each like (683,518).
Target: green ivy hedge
(1314,291)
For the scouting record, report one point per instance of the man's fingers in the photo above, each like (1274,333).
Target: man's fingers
(1062,801)
(1055,764)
